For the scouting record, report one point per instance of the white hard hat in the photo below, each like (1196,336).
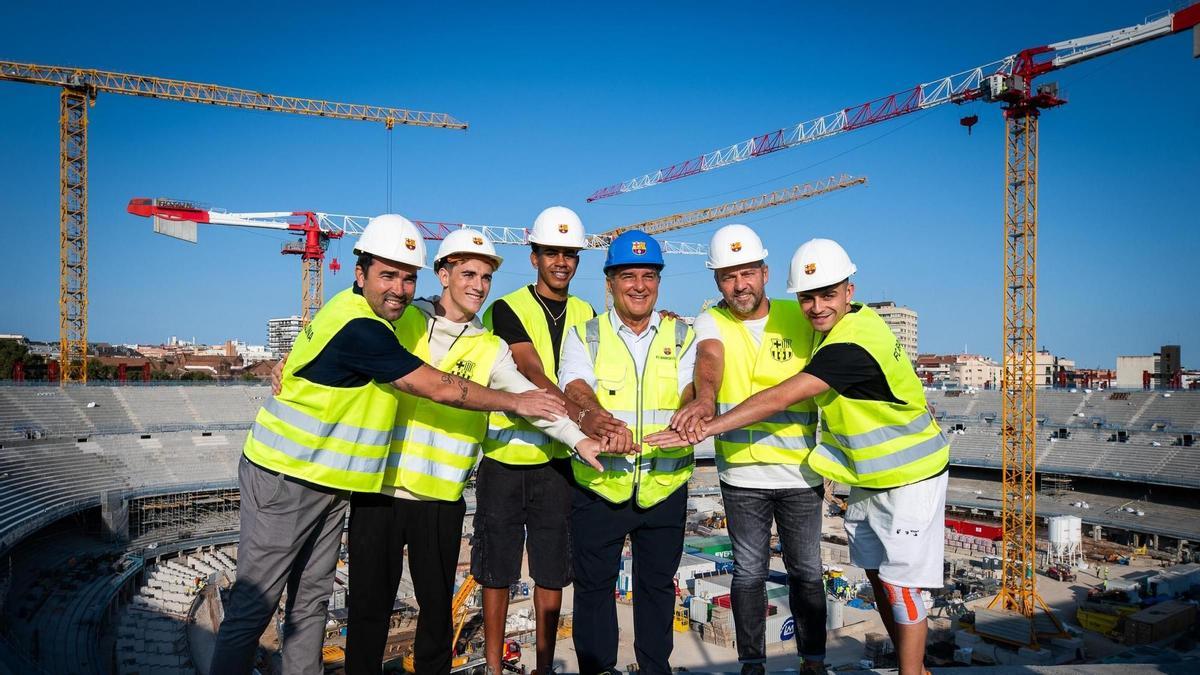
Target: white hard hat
(558,226)
(467,240)
(393,237)
(734,245)
(818,263)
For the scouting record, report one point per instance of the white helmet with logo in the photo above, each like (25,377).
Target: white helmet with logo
(467,241)
(818,263)
(559,227)
(734,245)
(393,237)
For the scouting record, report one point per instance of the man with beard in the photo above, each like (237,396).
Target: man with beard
(325,435)
(877,436)
(434,449)
(745,344)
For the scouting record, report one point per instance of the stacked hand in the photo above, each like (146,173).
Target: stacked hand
(540,403)
(671,438)
(689,421)
(589,449)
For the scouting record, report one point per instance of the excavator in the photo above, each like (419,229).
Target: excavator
(467,657)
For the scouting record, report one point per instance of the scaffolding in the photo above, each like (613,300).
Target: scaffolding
(185,514)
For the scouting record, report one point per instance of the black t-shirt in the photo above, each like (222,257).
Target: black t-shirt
(362,351)
(508,327)
(850,371)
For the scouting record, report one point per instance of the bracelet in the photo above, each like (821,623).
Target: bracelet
(582,412)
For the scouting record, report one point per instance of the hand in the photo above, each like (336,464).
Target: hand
(588,449)
(620,443)
(691,415)
(277,376)
(668,314)
(669,438)
(540,403)
(599,424)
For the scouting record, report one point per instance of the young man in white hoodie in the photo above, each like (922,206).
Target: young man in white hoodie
(433,453)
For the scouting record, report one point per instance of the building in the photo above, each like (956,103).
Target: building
(1160,370)
(958,371)
(934,369)
(972,371)
(1047,368)
(902,321)
(281,333)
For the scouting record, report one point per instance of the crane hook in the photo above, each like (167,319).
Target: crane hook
(968,122)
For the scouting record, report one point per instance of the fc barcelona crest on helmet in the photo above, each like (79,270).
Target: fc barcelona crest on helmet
(735,246)
(639,248)
(564,228)
(810,268)
(478,241)
(463,368)
(781,349)
(410,244)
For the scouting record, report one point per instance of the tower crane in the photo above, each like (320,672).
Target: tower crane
(1010,82)
(80,87)
(679,221)
(178,218)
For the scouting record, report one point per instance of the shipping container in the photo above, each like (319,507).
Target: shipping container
(989,532)
(1159,622)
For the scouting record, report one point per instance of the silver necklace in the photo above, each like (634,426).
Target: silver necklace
(541,302)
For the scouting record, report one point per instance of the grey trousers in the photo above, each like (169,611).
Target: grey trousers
(290,531)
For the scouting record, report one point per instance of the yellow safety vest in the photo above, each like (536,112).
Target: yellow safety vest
(787,341)
(435,446)
(512,439)
(337,437)
(877,444)
(645,402)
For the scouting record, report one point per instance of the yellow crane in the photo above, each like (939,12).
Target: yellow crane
(738,207)
(80,86)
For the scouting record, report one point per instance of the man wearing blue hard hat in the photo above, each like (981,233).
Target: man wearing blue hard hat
(635,365)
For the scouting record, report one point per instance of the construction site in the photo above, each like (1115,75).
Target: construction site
(1072,528)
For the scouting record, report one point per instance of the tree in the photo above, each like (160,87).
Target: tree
(11,351)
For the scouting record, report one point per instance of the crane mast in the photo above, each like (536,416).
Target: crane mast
(1010,82)
(80,86)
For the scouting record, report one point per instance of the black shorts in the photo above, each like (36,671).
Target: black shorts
(522,507)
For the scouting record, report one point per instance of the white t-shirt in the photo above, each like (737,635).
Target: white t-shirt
(768,476)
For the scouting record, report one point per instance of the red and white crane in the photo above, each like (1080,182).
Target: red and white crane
(1010,82)
(178,218)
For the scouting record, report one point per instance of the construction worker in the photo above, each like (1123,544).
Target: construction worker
(325,435)
(746,344)
(524,484)
(433,452)
(876,436)
(636,365)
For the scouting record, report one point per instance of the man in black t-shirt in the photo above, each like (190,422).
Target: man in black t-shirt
(524,481)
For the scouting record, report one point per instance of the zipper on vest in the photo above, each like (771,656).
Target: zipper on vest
(637,464)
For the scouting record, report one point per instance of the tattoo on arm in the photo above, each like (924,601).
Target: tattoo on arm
(462,386)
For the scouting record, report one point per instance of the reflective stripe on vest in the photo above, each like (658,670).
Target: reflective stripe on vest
(750,367)
(646,403)
(327,458)
(878,444)
(314,426)
(434,446)
(512,439)
(336,437)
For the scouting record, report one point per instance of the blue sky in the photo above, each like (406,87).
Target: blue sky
(564,101)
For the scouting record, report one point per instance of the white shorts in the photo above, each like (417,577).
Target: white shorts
(900,532)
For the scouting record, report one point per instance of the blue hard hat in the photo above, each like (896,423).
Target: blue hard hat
(634,248)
